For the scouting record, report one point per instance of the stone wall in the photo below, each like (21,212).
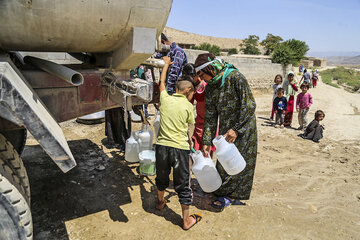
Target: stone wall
(319,62)
(191,39)
(260,73)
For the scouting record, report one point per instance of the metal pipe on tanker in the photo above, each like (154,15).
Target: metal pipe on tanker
(65,73)
(18,56)
(159,63)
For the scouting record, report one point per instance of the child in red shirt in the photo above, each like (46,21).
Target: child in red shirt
(199,96)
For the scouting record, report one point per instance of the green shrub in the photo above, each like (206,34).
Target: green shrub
(250,45)
(282,54)
(214,49)
(270,42)
(232,51)
(347,77)
(290,52)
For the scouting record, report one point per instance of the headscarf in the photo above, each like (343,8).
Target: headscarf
(219,68)
(288,89)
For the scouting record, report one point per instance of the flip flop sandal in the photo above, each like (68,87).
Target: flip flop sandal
(197,217)
(224,202)
(238,202)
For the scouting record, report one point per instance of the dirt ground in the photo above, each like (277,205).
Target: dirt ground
(302,190)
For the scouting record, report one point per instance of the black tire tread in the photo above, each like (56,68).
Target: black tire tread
(15,202)
(9,158)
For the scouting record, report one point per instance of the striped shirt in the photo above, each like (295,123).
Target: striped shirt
(179,59)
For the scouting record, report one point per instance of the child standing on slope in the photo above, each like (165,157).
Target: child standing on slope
(280,105)
(277,84)
(172,145)
(303,103)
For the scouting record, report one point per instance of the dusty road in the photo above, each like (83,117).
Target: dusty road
(302,190)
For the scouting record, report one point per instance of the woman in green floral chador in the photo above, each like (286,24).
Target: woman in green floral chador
(229,100)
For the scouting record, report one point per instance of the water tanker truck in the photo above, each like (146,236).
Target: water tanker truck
(105,38)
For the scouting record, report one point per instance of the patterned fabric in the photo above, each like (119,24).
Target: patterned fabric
(221,71)
(304,100)
(234,105)
(179,59)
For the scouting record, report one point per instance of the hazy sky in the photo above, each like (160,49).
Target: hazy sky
(325,25)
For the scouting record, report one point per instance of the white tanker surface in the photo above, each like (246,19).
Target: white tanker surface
(76,25)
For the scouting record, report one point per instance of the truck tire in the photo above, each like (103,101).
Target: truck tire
(17,138)
(10,157)
(15,213)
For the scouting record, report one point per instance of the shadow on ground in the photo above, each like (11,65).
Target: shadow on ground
(96,184)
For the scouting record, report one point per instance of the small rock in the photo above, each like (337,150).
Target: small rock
(313,208)
(92,176)
(89,164)
(100,167)
(113,186)
(289,207)
(92,154)
(72,181)
(343,160)
(43,235)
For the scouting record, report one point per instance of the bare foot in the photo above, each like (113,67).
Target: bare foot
(192,220)
(160,204)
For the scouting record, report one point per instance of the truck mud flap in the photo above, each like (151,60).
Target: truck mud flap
(20,104)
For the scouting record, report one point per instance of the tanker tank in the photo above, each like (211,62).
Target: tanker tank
(125,30)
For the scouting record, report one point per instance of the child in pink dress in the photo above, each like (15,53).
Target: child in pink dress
(303,103)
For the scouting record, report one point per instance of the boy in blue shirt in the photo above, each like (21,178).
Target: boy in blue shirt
(173,144)
(280,105)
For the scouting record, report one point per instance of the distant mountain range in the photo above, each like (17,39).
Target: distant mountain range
(343,60)
(332,54)
(338,58)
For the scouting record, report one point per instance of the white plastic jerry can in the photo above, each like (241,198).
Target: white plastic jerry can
(157,123)
(228,156)
(205,172)
(145,138)
(147,163)
(132,149)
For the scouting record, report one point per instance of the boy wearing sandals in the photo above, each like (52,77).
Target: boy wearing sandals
(173,145)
